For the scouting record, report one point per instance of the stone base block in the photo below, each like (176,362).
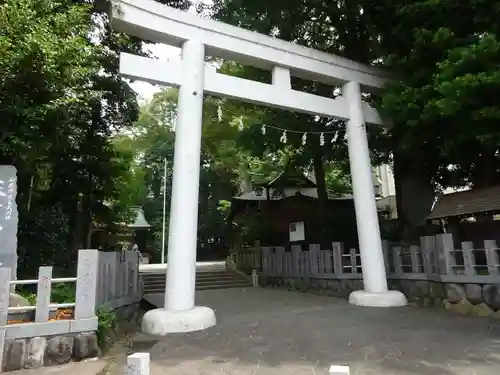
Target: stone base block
(391,298)
(162,321)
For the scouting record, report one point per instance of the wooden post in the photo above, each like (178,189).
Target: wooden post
(354,261)
(43,292)
(314,252)
(467,248)
(445,251)
(138,364)
(337,258)
(490,248)
(396,257)
(415,259)
(86,281)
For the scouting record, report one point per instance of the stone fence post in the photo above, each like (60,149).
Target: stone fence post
(86,284)
(43,292)
(5,273)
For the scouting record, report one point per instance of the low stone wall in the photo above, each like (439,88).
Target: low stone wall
(476,299)
(40,351)
(334,288)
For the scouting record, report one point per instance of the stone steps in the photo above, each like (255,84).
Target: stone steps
(205,280)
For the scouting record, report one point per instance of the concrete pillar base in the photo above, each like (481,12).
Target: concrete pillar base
(162,321)
(391,298)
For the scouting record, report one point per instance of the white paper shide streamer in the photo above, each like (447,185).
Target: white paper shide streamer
(241,125)
(219,113)
(283,137)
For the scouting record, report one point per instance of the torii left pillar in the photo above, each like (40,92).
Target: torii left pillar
(180,313)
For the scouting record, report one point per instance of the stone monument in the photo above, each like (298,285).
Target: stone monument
(8,219)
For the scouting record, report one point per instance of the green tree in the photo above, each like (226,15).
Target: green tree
(62,102)
(310,24)
(224,166)
(446,57)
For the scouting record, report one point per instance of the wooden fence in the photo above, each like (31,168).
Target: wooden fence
(103,279)
(435,259)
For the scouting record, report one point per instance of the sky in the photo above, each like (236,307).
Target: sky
(163,52)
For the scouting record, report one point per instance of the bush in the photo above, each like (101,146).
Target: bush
(106,326)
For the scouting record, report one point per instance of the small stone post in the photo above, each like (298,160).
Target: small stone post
(255,278)
(339,370)
(137,364)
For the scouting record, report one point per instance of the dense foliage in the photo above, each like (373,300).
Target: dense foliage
(85,152)
(445,59)
(62,100)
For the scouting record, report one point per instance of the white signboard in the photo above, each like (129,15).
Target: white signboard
(297,232)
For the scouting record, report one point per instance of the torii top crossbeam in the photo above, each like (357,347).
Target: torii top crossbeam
(155,22)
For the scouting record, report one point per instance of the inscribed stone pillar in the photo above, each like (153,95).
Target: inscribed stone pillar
(8,218)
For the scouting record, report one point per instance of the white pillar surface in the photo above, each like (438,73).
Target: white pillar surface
(180,314)
(370,244)
(183,223)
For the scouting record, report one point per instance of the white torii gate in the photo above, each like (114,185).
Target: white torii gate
(198,37)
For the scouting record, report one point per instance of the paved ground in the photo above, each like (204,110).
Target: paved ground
(89,367)
(269,331)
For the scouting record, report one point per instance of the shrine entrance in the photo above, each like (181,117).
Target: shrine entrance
(198,37)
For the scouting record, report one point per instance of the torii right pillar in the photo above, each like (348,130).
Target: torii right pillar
(376,292)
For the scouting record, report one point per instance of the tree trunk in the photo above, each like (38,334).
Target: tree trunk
(319,172)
